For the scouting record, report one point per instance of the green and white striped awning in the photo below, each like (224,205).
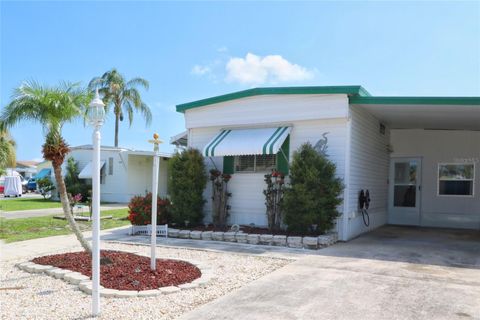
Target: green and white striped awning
(239,142)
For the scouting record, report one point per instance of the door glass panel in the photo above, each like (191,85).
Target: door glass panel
(405,184)
(406,173)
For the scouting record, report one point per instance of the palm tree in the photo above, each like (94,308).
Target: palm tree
(7,151)
(52,107)
(123,95)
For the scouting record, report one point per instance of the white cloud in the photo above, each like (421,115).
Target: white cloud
(222,49)
(255,70)
(200,70)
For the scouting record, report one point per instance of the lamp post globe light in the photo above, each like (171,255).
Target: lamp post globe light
(95,117)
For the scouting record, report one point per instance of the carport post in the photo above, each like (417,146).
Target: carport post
(153,244)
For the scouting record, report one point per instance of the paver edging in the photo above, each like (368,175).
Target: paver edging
(84,283)
(307,242)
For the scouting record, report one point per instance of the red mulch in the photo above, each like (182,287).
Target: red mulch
(127,271)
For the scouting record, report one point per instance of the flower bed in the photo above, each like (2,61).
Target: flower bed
(126,271)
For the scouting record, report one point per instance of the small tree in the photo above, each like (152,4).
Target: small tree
(187,182)
(220,197)
(45,186)
(73,183)
(310,201)
(72,172)
(273,197)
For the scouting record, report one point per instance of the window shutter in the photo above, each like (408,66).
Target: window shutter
(283,157)
(228,164)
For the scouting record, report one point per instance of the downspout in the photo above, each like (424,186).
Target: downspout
(346,191)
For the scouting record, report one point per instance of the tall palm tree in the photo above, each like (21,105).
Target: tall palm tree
(52,107)
(123,95)
(7,151)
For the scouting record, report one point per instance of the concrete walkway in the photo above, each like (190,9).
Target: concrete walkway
(52,211)
(41,246)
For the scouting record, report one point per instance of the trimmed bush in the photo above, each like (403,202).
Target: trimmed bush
(187,181)
(311,199)
(140,210)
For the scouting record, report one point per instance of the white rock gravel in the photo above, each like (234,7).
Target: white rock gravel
(39,296)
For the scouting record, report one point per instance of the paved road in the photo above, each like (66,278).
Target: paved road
(51,211)
(392,273)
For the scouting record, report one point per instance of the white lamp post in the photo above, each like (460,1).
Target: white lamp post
(95,117)
(156,160)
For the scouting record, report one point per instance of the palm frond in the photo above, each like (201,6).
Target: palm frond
(146,112)
(135,82)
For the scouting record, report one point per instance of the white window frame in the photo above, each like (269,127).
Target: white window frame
(254,164)
(456,164)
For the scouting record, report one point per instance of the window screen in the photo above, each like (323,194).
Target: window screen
(455,179)
(245,163)
(265,162)
(255,163)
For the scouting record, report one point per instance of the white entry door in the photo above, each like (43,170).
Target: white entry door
(405,189)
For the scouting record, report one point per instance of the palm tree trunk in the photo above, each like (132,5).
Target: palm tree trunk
(117,124)
(62,190)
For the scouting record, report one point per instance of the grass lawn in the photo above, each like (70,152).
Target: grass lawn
(28,204)
(40,227)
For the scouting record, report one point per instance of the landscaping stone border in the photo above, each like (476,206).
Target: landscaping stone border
(312,243)
(85,284)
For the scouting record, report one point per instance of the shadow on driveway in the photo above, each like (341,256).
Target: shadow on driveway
(432,246)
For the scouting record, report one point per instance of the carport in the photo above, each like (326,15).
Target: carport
(434,148)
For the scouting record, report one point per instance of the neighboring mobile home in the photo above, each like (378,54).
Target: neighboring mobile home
(124,173)
(418,156)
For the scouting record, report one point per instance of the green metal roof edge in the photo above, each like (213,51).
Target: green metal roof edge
(415,100)
(349,90)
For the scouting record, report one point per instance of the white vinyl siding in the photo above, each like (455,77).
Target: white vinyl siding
(113,187)
(247,201)
(131,176)
(274,109)
(369,167)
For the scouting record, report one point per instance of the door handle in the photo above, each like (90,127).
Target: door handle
(419,188)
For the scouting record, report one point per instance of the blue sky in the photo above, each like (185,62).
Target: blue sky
(194,50)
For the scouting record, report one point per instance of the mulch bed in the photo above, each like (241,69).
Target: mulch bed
(126,271)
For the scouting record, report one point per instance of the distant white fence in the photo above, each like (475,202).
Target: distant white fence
(162,230)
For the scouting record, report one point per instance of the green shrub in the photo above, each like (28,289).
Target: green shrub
(187,181)
(73,183)
(45,186)
(140,210)
(72,172)
(311,199)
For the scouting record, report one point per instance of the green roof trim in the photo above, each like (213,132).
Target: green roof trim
(348,90)
(416,100)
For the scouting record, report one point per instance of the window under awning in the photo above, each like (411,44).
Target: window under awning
(86,172)
(239,142)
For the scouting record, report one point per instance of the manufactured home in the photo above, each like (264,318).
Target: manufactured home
(419,157)
(124,172)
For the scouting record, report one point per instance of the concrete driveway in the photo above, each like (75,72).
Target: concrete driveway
(391,273)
